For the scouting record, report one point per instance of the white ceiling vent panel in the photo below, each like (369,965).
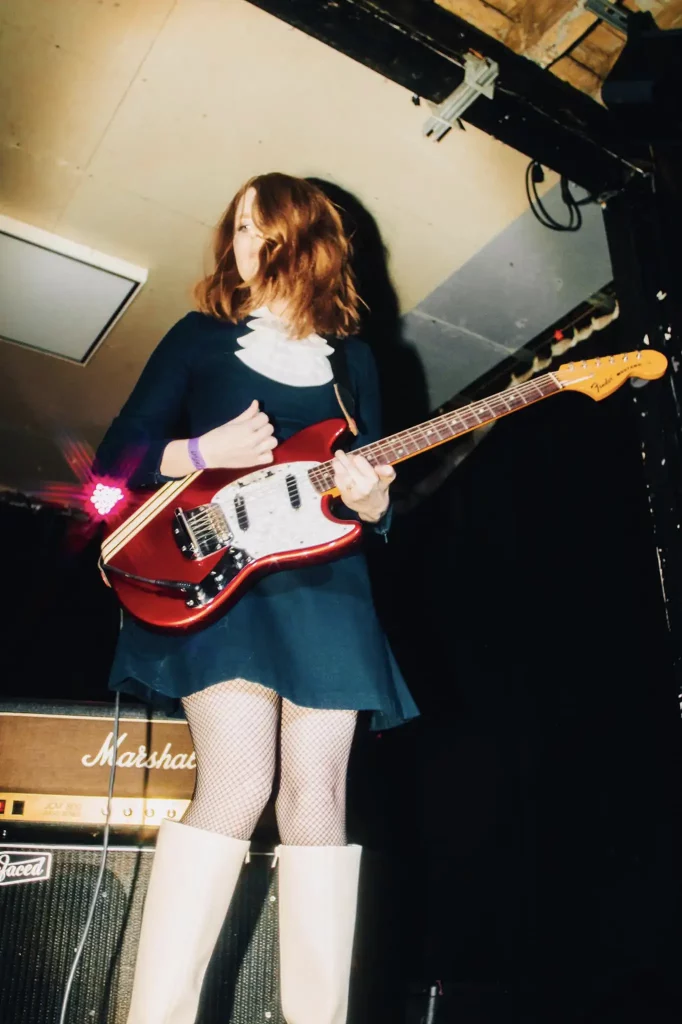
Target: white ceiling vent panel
(59,297)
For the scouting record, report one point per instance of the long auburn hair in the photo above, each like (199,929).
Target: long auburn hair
(305,259)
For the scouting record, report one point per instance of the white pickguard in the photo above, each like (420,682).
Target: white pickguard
(273,523)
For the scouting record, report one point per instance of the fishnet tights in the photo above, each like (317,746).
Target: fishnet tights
(235,727)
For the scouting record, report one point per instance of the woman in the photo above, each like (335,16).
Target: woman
(292,663)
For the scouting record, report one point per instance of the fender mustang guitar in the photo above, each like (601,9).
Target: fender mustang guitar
(182,554)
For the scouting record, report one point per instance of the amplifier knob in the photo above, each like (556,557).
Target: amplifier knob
(149,812)
(127,812)
(171,814)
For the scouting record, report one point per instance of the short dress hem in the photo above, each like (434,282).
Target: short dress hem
(380,718)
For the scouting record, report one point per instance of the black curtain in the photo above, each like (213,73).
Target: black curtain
(529,821)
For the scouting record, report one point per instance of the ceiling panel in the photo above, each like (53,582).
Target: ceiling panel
(129,129)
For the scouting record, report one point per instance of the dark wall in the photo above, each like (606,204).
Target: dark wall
(59,621)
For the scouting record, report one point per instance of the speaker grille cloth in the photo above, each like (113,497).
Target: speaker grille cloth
(41,923)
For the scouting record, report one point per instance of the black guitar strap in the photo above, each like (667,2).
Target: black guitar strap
(342,385)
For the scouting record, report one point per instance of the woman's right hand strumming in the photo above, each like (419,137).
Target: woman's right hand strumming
(244,441)
(247,440)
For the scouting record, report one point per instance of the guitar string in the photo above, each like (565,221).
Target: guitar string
(203,528)
(131,526)
(320,474)
(386,444)
(446,420)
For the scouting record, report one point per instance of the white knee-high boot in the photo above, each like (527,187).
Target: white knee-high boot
(318,890)
(193,877)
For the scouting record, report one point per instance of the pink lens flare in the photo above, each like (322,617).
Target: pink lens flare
(105,496)
(96,496)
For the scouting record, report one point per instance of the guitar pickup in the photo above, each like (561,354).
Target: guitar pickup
(242,514)
(293,491)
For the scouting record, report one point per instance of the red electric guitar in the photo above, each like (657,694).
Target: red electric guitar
(178,556)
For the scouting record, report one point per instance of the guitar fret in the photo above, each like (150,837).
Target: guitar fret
(442,428)
(500,405)
(469,419)
(427,436)
(487,410)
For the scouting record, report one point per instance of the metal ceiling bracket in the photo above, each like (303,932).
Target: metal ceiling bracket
(616,17)
(480,76)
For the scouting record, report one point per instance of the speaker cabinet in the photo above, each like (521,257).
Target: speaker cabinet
(45,893)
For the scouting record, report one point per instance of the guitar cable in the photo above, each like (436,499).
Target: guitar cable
(172,584)
(102,867)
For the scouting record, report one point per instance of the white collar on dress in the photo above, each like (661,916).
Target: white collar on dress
(269,350)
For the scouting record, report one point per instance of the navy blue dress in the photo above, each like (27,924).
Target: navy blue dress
(311,634)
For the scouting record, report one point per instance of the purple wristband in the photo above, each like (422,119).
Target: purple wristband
(196,458)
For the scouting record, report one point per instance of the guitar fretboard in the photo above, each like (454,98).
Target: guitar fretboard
(407,443)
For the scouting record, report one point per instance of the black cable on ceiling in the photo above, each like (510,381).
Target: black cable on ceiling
(535,175)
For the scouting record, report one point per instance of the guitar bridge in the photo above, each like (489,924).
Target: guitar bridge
(201,531)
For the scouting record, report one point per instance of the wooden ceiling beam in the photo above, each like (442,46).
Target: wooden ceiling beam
(422,46)
(558,36)
(670,15)
(589,62)
(579,76)
(600,50)
(491,19)
(538,18)
(550,33)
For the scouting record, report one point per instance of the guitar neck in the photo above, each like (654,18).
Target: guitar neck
(407,443)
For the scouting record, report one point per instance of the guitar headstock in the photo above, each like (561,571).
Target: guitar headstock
(601,377)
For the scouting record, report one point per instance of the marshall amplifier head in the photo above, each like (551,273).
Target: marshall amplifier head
(55,762)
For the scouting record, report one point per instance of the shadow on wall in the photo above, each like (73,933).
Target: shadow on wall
(403,381)
(404,386)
